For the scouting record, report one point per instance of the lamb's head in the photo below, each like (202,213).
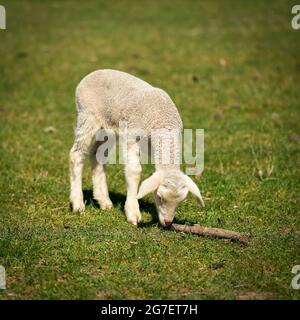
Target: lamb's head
(170,188)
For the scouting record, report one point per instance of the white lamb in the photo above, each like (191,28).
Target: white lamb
(103,99)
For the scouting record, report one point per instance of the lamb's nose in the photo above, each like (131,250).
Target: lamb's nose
(168,222)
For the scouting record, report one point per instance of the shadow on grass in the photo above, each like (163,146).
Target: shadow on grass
(119,199)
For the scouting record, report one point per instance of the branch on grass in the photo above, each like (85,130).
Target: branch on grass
(212,232)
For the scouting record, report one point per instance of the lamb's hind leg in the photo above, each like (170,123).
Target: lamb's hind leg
(84,135)
(100,190)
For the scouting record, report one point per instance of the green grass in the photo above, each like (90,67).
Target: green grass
(233,68)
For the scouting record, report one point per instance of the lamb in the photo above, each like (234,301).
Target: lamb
(103,99)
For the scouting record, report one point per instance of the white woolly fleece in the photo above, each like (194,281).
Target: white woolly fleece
(111,96)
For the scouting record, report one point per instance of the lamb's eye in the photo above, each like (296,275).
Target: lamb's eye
(159,197)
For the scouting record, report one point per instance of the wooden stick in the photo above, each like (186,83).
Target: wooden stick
(212,232)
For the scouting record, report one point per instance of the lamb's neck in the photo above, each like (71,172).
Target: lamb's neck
(167,167)
(167,150)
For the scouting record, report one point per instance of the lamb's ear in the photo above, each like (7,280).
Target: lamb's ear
(149,185)
(191,185)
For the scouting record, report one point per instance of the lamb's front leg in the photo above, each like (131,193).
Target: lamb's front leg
(133,171)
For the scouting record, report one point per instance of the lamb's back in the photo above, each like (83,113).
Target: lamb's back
(117,96)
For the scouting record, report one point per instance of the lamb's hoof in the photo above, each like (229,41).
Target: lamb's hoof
(105,205)
(78,207)
(133,212)
(135,220)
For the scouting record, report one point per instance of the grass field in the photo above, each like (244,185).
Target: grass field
(232,68)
